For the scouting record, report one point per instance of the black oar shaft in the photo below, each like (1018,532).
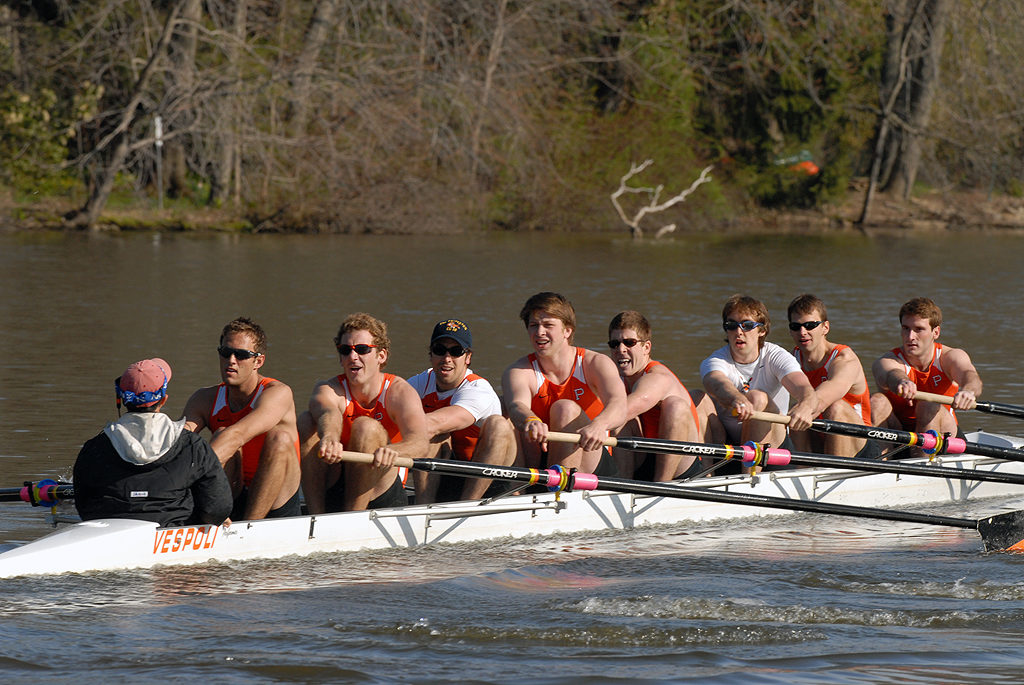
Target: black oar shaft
(989,407)
(515,473)
(911,438)
(677,447)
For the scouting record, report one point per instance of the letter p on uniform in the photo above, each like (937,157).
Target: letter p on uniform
(578,392)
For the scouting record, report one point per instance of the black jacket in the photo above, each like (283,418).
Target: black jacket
(185,486)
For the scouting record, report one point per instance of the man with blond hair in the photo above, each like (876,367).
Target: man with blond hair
(362,409)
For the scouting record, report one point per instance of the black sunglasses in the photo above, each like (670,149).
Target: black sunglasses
(346,350)
(806,325)
(240,355)
(747,325)
(628,342)
(439,350)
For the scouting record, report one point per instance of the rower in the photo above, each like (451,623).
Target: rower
(835,372)
(362,409)
(750,374)
(658,405)
(464,418)
(252,421)
(922,363)
(146,466)
(562,387)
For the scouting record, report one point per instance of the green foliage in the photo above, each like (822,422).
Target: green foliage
(32,140)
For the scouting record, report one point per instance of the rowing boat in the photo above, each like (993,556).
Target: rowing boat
(114,544)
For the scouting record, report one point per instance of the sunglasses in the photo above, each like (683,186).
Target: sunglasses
(240,355)
(455,351)
(806,325)
(628,342)
(346,350)
(747,325)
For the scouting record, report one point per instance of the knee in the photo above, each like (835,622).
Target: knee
(497,427)
(564,412)
(368,431)
(760,400)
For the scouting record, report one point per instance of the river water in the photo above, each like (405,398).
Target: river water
(807,598)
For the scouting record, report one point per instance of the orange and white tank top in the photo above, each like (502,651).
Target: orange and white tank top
(933,379)
(861,402)
(376,411)
(575,388)
(222,416)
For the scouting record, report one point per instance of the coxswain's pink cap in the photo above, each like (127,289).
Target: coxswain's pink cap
(144,383)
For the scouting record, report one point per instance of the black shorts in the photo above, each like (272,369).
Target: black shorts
(334,498)
(290,508)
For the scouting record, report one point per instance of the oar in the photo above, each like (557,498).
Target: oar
(1000,532)
(929,442)
(44,493)
(989,407)
(758,455)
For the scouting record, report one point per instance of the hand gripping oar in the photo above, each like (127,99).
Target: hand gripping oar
(989,407)
(1001,532)
(930,442)
(44,493)
(758,455)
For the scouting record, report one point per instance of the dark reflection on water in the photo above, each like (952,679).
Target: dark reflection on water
(805,599)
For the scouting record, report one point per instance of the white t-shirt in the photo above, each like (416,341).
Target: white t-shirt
(475,395)
(764,373)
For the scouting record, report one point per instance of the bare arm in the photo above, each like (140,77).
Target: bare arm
(806,402)
(448,420)
(517,387)
(406,410)
(889,375)
(728,396)
(844,375)
(326,407)
(603,377)
(962,370)
(197,409)
(648,391)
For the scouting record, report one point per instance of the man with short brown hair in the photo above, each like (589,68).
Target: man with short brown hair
(562,387)
(252,419)
(922,363)
(750,374)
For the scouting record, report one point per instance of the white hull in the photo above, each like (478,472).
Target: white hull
(112,544)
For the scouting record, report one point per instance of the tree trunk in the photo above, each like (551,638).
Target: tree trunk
(228,163)
(926,36)
(86,216)
(183,60)
(313,42)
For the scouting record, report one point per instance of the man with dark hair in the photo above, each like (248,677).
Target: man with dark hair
(146,466)
(836,374)
(562,387)
(922,363)
(750,374)
(362,409)
(658,405)
(464,418)
(252,419)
